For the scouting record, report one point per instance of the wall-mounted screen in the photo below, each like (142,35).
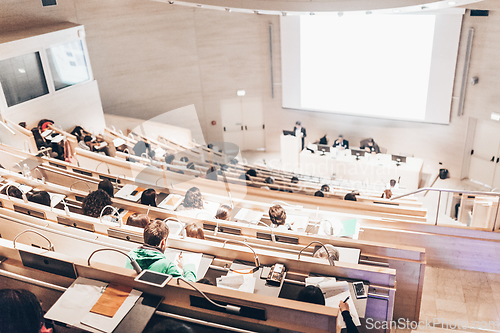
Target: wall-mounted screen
(67,64)
(22,78)
(387,66)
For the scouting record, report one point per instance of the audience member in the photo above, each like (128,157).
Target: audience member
(224,212)
(234,161)
(171,326)
(20,312)
(93,204)
(332,252)
(192,200)
(370,146)
(13,192)
(269,180)
(150,254)
(148,197)
(350,196)
(190,166)
(277,215)
(325,188)
(350,326)
(138,220)
(22,124)
(311,294)
(251,173)
(205,281)
(387,194)
(86,143)
(184,159)
(107,187)
(319,194)
(169,158)
(295,180)
(142,147)
(341,142)
(40,197)
(193,231)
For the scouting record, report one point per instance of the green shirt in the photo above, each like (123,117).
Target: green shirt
(151,258)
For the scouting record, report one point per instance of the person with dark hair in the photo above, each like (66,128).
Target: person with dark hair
(319,194)
(193,231)
(148,197)
(13,192)
(341,142)
(40,197)
(224,212)
(138,220)
(192,200)
(251,173)
(332,252)
(300,132)
(78,131)
(142,147)
(22,124)
(269,180)
(171,326)
(311,294)
(107,187)
(349,324)
(371,147)
(234,161)
(205,281)
(350,197)
(212,173)
(190,166)
(86,143)
(325,188)
(295,180)
(277,215)
(169,158)
(150,254)
(93,204)
(323,140)
(184,159)
(20,311)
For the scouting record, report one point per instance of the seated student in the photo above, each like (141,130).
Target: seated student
(212,173)
(277,215)
(171,326)
(169,158)
(86,143)
(150,255)
(21,312)
(332,252)
(295,180)
(387,194)
(39,197)
(94,202)
(251,173)
(311,294)
(190,166)
(325,188)
(192,200)
(350,197)
(205,281)
(13,192)
(269,180)
(107,187)
(234,161)
(371,147)
(223,212)
(184,159)
(341,143)
(319,194)
(148,197)
(79,132)
(393,185)
(349,324)
(138,220)
(193,231)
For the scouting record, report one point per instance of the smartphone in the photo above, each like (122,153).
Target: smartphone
(359,290)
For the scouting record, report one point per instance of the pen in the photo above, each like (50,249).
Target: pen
(346,299)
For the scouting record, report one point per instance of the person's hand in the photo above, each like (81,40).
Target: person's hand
(343,306)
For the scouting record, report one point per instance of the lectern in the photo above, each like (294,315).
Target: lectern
(290,149)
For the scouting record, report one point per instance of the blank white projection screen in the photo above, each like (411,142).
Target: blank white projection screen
(386,66)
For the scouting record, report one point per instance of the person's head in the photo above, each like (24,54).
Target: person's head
(21,311)
(192,230)
(22,124)
(141,147)
(332,251)
(190,165)
(387,194)
(224,212)
(14,192)
(205,281)
(251,173)
(277,215)
(341,137)
(93,203)
(40,197)
(107,187)
(234,161)
(295,180)
(184,159)
(171,326)
(319,194)
(169,158)
(311,294)
(370,142)
(210,146)
(148,197)
(211,173)
(138,220)
(325,188)
(269,180)
(298,123)
(87,139)
(392,182)
(156,234)
(350,197)
(193,198)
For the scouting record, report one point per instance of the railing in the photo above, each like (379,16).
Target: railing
(464,194)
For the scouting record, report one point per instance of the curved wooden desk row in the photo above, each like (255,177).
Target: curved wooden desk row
(280,313)
(409,262)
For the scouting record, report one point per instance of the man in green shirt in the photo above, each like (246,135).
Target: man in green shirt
(150,254)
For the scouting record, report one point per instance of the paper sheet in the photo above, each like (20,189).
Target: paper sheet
(229,282)
(126,190)
(171,202)
(335,292)
(118,142)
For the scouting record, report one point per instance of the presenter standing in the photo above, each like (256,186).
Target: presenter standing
(300,132)
(341,143)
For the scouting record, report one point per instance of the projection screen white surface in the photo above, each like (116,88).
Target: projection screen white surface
(386,66)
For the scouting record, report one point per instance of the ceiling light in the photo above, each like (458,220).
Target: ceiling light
(240,92)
